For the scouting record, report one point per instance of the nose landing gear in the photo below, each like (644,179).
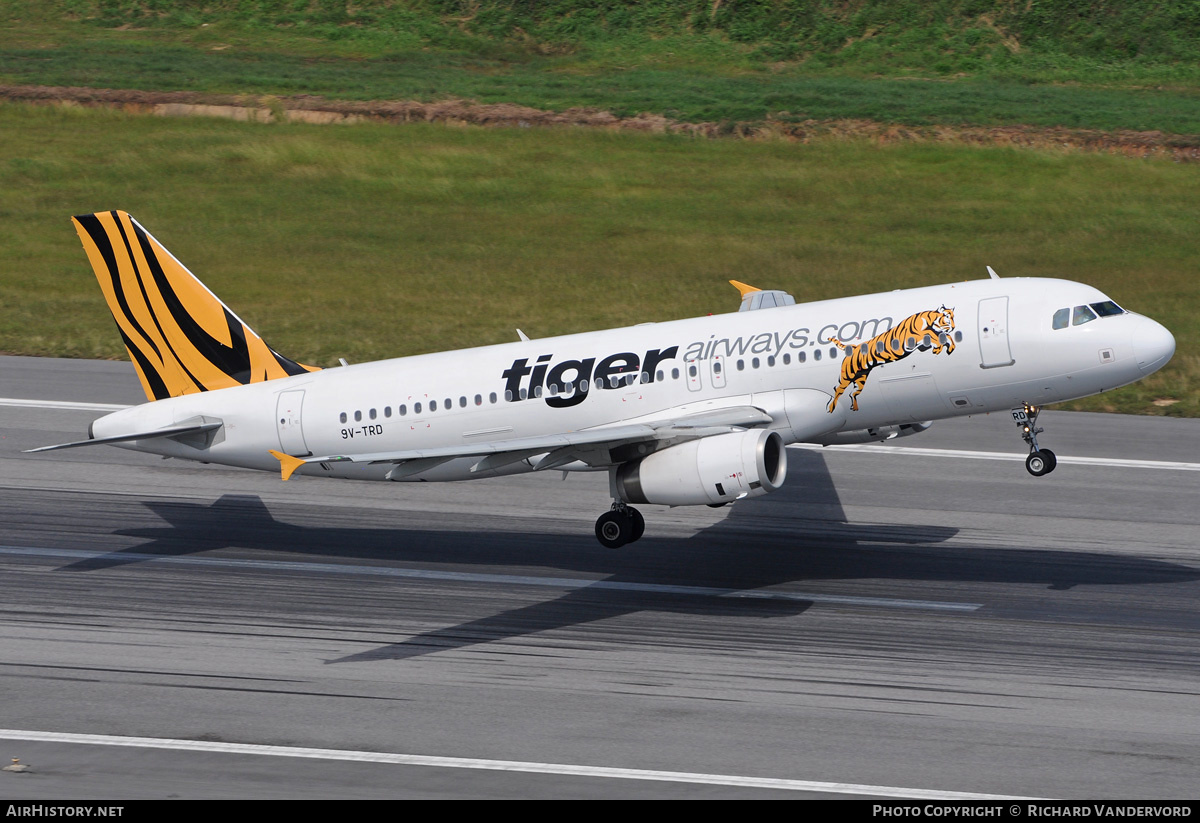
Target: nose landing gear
(622,524)
(1040,461)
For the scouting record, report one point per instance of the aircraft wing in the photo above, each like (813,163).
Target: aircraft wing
(601,446)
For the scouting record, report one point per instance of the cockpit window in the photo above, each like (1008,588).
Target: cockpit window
(1062,318)
(1082,315)
(1107,309)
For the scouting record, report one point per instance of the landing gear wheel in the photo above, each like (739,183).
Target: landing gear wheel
(637,524)
(1037,463)
(1051,460)
(614,529)
(1040,461)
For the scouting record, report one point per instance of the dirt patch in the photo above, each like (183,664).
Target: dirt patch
(312,109)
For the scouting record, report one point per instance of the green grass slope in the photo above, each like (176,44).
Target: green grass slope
(1103,65)
(373,241)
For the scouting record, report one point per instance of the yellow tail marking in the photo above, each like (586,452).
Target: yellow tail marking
(743,289)
(287,463)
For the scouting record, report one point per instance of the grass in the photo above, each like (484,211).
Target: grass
(373,241)
(694,77)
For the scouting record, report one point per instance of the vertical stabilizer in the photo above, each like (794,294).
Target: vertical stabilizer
(180,336)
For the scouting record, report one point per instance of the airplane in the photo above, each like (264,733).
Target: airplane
(687,412)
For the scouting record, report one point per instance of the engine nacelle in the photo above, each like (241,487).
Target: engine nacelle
(711,470)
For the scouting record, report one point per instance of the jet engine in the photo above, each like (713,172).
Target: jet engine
(712,470)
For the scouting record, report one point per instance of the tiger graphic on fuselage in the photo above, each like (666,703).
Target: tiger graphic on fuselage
(928,329)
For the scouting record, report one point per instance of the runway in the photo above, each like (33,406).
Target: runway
(907,622)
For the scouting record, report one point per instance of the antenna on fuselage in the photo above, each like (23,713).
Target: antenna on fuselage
(993,274)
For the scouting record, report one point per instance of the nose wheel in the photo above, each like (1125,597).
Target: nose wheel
(1040,461)
(620,525)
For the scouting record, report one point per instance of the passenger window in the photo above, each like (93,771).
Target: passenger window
(1082,315)
(787,359)
(958,337)
(462,402)
(741,365)
(674,374)
(448,405)
(387,411)
(1062,318)
(358,417)
(754,362)
(371,414)
(717,367)
(433,405)
(801,357)
(492,397)
(416,408)
(479,399)
(342,417)
(771,360)
(817,354)
(660,375)
(403,409)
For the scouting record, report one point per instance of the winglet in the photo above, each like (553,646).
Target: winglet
(742,288)
(287,463)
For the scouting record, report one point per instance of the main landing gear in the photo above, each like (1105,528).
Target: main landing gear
(1040,461)
(622,524)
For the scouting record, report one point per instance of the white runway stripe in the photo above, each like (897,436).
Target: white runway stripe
(909,451)
(498,765)
(70,405)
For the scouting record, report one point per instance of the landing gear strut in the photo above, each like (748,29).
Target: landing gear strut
(1040,461)
(620,525)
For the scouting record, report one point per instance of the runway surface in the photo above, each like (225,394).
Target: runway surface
(892,623)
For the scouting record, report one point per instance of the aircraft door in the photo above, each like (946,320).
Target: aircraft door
(993,333)
(287,416)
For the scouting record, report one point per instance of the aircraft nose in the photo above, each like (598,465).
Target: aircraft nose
(1153,345)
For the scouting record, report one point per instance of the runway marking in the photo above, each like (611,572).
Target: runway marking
(872,448)
(505,579)
(61,404)
(498,765)
(911,451)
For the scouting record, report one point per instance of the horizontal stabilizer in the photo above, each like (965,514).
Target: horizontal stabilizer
(174,431)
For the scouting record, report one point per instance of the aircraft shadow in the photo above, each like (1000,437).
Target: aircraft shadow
(797,534)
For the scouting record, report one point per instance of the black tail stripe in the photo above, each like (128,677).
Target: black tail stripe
(229,361)
(140,276)
(148,372)
(240,350)
(95,230)
(290,367)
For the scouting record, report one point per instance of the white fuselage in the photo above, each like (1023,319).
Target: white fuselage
(782,360)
